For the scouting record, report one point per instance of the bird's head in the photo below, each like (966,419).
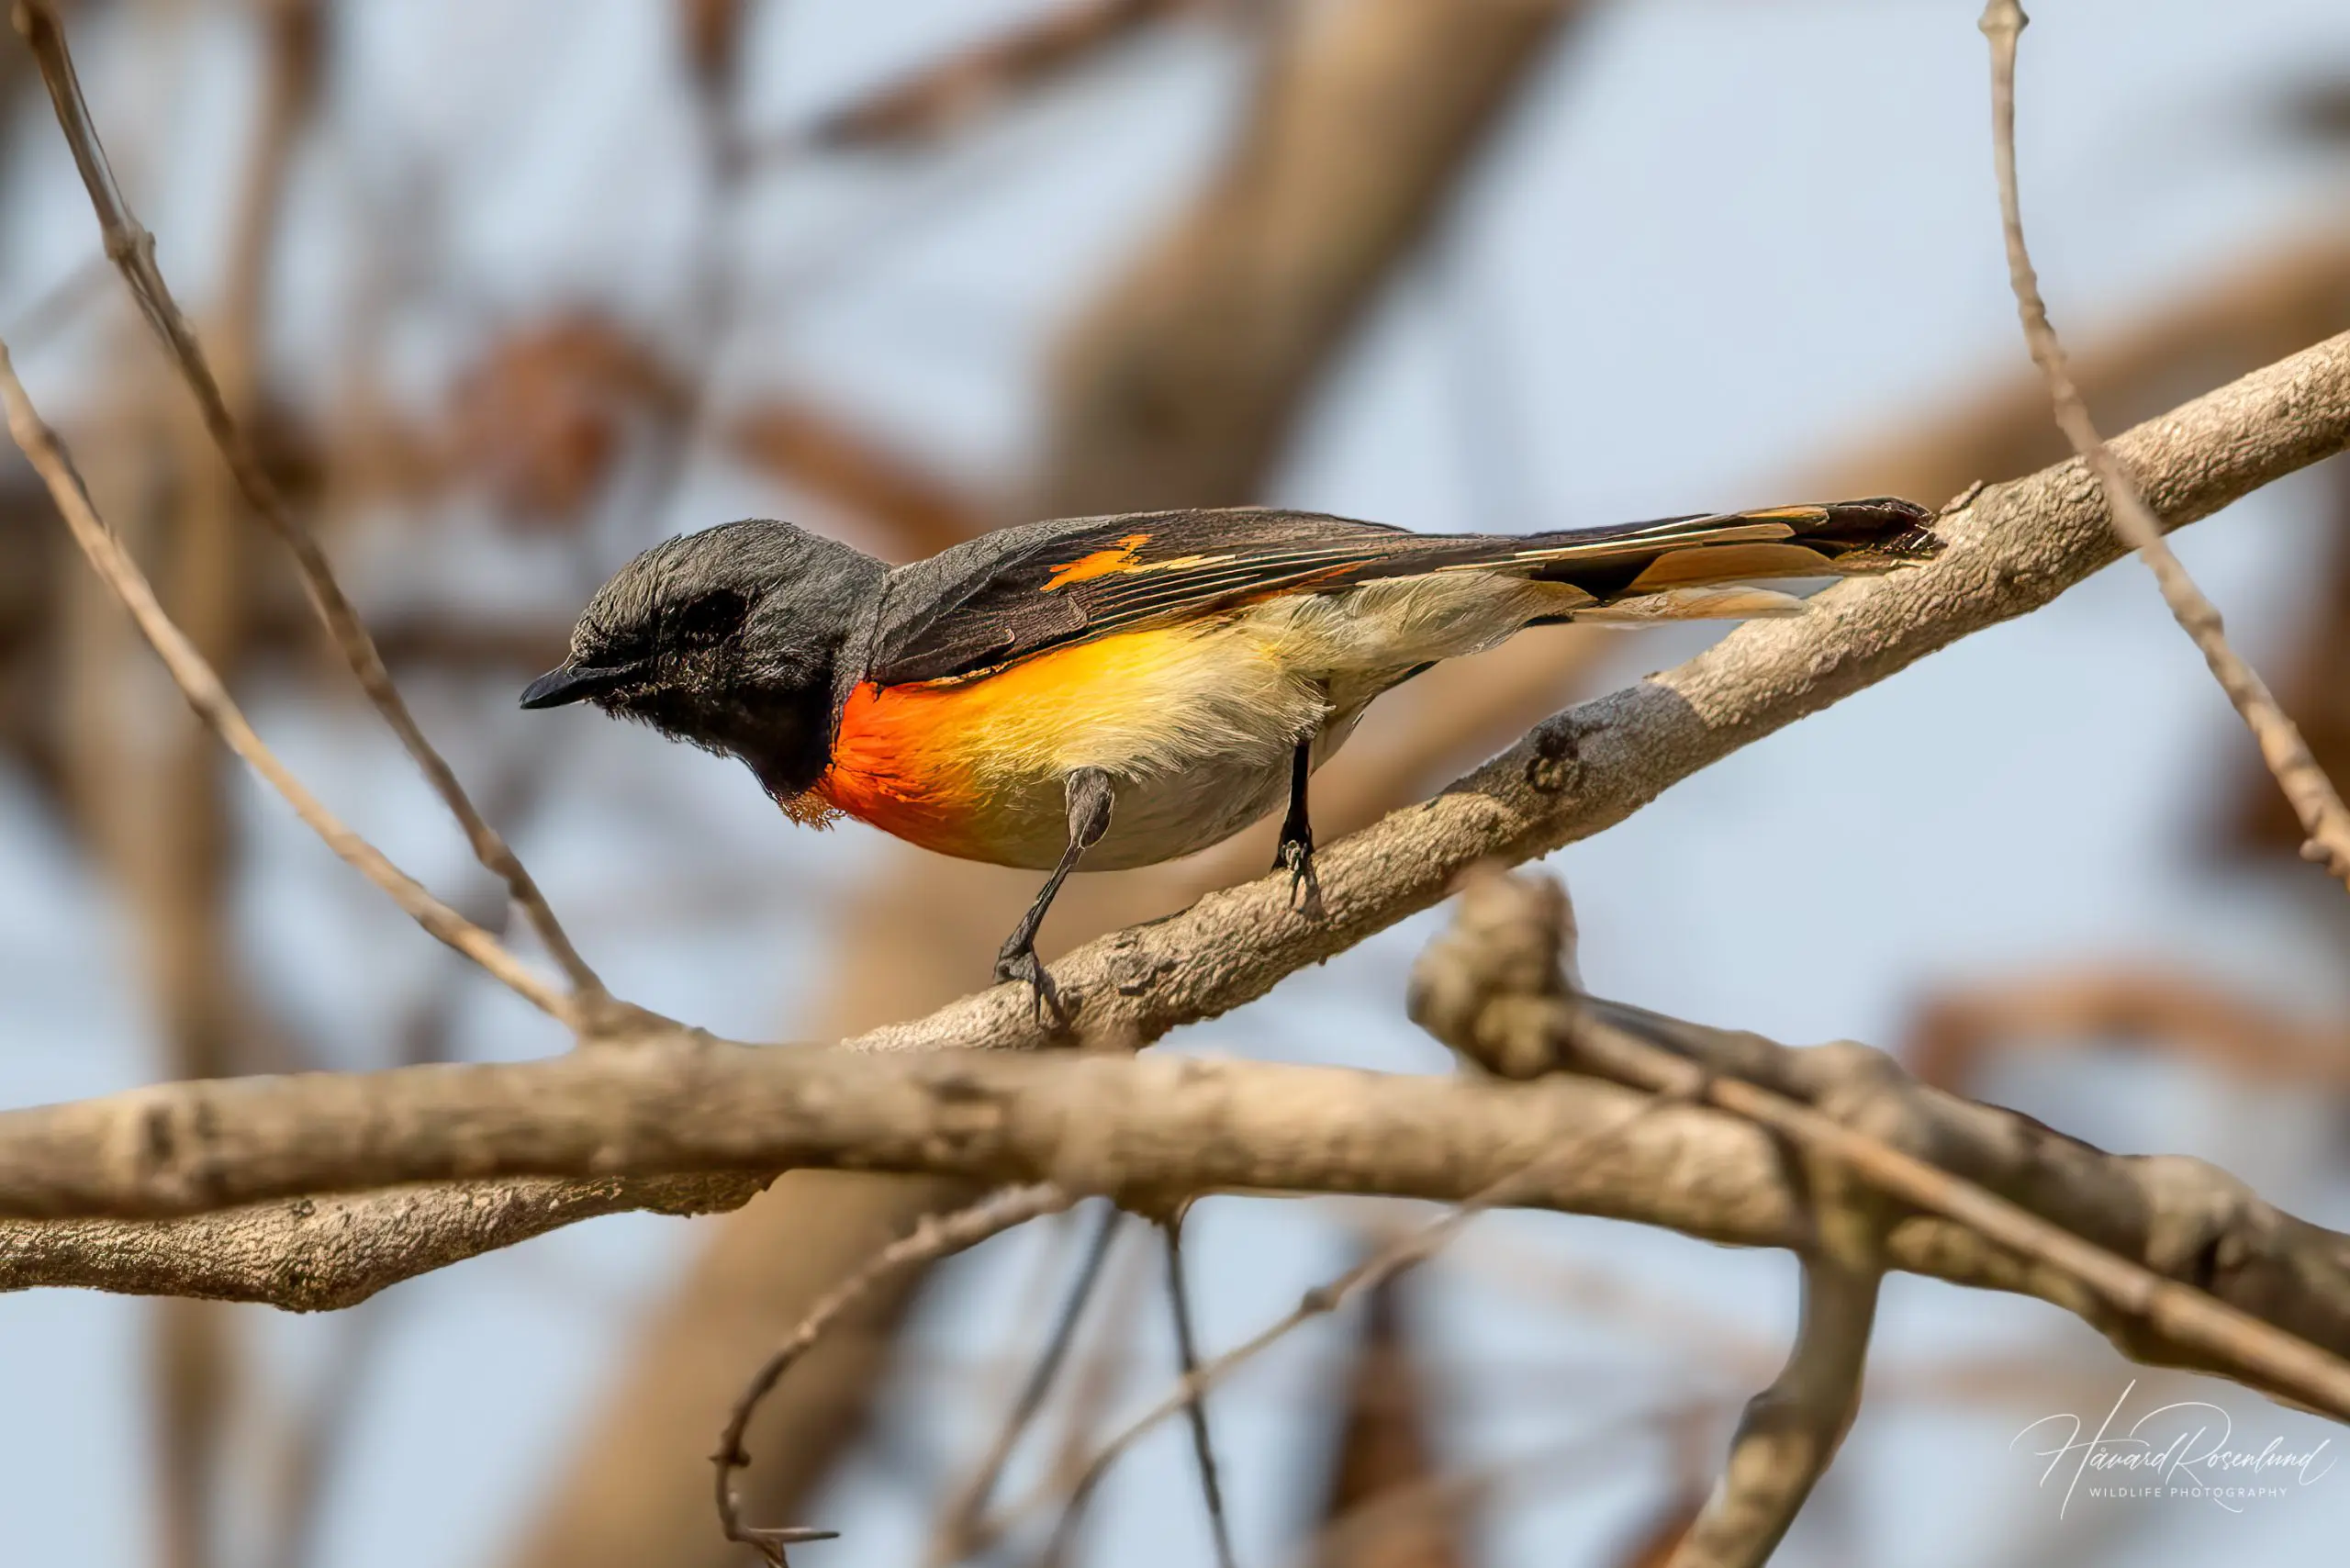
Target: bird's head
(730,639)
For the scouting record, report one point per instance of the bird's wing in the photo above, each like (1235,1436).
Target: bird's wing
(1010,595)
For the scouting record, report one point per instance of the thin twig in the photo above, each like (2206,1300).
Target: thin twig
(1325,1298)
(954,1536)
(1097,1382)
(935,1237)
(1187,1355)
(210,698)
(2323,818)
(132,250)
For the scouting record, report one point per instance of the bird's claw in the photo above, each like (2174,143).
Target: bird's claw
(1296,857)
(1021,964)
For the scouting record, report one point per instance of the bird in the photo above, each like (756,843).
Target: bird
(1110,692)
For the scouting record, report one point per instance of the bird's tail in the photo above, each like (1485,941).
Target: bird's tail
(1699,568)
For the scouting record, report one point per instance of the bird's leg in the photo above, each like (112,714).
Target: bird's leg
(1296,852)
(1089,819)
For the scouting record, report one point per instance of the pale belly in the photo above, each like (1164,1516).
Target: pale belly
(1197,732)
(1163,817)
(1197,726)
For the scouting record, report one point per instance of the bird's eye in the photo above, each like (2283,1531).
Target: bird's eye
(713,617)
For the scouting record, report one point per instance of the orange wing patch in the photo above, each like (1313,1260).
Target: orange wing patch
(1101,563)
(1121,562)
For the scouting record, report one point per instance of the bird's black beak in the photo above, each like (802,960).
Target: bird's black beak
(565,684)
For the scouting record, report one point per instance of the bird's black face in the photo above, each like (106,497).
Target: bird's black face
(730,639)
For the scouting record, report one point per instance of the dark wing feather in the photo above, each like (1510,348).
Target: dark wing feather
(1051,585)
(1023,591)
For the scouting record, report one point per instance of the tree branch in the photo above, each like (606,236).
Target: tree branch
(1789,1433)
(1378,111)
(955,1536)
(681,1102)
(322,1254)
(1502,989)
(1929,1153)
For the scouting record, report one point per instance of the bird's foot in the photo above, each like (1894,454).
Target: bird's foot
(1020,963)
(1296,856)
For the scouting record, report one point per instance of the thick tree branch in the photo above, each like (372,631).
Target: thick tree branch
(1501,988)
(1847,1109)
(324,1253)
(1171,1127)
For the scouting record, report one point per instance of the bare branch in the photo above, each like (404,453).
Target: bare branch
(132,250)
(1196,1410)
(1501,988)
(1098,1381)
(1156,1127)
(1506,920)
(212,702)
(1438,77)
(2322,815)
(1790,1432)
(935,1237)
(326,1253)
